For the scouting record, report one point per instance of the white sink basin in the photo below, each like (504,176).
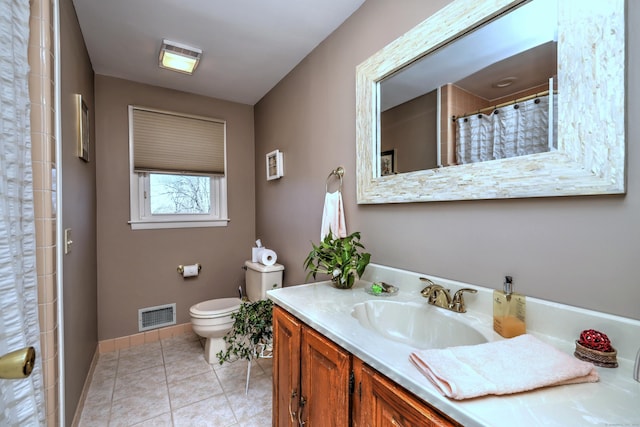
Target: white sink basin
(418,325)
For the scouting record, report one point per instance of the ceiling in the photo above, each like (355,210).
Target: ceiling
(519,45)
(248,45)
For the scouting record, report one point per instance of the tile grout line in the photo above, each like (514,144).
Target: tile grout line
(113,390)
(166,381)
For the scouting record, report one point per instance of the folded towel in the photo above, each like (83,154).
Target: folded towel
(502,367)
(333,216)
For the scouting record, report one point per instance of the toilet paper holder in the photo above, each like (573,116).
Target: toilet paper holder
(181,268)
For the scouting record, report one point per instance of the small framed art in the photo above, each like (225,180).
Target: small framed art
(275,166)
(83,128)
(387,162)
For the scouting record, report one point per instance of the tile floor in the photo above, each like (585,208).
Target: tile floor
(168,383)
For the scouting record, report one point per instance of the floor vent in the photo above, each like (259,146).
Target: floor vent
(156,317)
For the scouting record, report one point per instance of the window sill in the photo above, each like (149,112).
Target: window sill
(151,225)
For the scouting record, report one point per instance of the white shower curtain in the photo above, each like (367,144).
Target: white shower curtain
(515,130)
(21,401)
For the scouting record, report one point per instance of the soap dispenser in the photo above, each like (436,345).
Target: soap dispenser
(509,311)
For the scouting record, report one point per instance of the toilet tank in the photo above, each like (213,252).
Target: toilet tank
(260,278)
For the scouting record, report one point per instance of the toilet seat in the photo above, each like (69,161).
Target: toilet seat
(215,308)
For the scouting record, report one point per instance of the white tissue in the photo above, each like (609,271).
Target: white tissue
(190,270)
(255,254)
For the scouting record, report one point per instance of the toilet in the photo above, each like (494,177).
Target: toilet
(212,319)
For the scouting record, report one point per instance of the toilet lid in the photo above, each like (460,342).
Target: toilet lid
(214,307)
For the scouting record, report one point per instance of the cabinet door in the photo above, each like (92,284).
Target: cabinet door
(286,368)
(325,382)
(357,416)
(385,404)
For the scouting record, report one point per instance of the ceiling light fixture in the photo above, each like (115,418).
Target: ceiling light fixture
(179,57)
(507,81)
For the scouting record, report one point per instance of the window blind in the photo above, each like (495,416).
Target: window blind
(170,142)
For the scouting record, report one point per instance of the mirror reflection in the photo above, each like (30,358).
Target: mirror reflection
(586,157)
(489,95)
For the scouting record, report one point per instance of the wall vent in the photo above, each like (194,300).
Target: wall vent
(156,317)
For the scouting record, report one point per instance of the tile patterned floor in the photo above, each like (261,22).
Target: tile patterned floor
(168,383)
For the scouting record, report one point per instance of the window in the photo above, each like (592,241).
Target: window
(177,170)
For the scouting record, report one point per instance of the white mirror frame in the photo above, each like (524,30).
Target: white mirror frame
(591,104)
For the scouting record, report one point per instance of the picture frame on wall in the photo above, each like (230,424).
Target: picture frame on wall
(387,163)
(83,128)
(275,166)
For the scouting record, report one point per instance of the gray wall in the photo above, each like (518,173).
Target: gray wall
(581,251)
(411,130)
(78,213)
(137,269)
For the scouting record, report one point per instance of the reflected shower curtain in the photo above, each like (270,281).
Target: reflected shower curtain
(21,401)
(515,130)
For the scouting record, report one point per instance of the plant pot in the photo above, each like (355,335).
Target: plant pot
(346,284)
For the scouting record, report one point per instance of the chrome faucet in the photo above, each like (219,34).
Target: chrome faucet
(441,297)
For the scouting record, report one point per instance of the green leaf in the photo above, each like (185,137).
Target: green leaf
(252,326)
(338,253)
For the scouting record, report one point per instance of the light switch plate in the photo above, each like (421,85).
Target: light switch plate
(67,240)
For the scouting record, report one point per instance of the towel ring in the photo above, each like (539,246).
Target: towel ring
(339,173)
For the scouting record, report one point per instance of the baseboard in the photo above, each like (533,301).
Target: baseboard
(107,346)
(85,390)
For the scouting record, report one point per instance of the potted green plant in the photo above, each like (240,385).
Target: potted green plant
(251,333)
(339,257)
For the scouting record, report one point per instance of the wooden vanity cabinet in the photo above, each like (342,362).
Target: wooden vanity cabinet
(286,368)
(381,402)
(311,376)
(318,383)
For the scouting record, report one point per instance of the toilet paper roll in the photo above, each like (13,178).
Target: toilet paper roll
(268,257)
(190,270)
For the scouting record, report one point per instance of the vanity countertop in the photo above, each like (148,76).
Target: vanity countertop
(613,401)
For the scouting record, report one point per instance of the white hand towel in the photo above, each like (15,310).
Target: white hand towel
(502,367)
(333,216)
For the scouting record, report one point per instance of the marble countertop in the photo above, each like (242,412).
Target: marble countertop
(613,401)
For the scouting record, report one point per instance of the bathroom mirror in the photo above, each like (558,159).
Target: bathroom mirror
(586,153)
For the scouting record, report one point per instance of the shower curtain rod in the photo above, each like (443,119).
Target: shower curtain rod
(504,104)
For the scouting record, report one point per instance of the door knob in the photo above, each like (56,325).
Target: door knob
(17,364)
